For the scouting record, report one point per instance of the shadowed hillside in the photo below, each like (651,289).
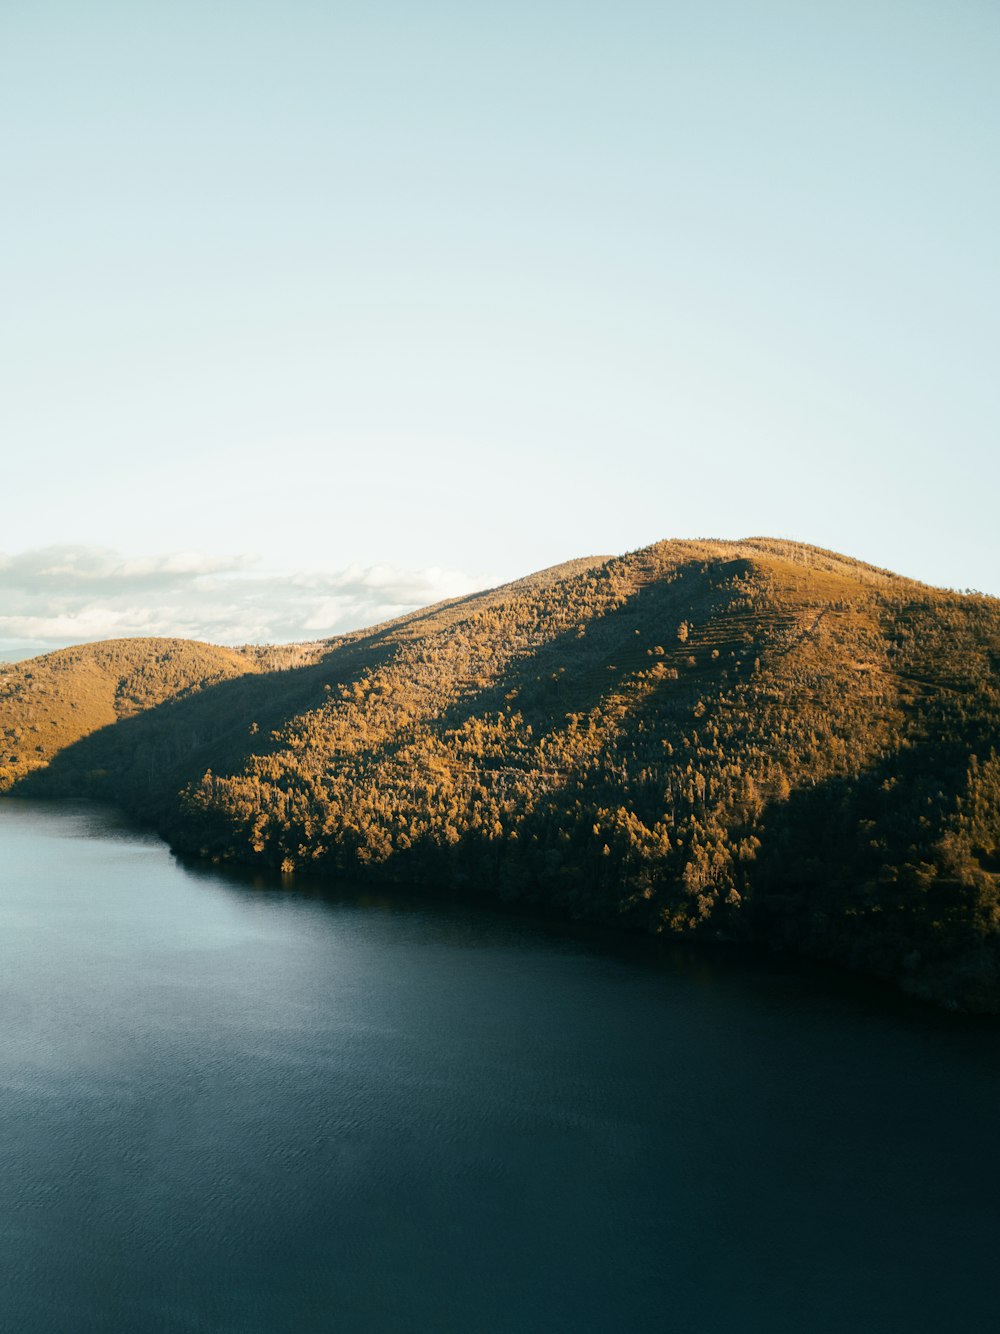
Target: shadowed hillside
(752,739)
(48,703)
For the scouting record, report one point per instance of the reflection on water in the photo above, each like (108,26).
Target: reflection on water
(229,1106)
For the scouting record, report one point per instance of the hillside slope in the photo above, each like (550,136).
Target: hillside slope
(51,702)
(751,739)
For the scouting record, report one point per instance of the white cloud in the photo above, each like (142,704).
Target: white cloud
(62,595)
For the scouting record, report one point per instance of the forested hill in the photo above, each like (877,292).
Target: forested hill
(49,703)
(755,739)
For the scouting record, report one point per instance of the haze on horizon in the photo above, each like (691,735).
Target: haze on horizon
(386,305)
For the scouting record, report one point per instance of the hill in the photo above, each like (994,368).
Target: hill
(752,740)
(50,702)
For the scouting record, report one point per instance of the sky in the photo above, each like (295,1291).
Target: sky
(311,312)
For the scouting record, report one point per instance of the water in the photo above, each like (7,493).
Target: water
(226,1107)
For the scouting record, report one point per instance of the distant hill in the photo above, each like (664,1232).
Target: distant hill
(49,703)
(750,740)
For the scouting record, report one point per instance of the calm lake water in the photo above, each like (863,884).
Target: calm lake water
(228,1107)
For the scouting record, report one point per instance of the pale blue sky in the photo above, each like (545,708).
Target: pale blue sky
(481,288)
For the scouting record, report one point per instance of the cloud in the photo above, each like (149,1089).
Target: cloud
(60,595)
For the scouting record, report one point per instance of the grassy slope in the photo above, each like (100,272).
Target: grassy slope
(49,703)
(754,738)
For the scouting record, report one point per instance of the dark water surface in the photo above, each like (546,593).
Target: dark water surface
(233,1108)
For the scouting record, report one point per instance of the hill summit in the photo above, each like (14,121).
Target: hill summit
(755,740)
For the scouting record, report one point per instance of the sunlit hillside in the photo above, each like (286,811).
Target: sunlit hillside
(750,739)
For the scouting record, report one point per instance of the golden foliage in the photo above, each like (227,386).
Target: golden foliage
(751,739)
